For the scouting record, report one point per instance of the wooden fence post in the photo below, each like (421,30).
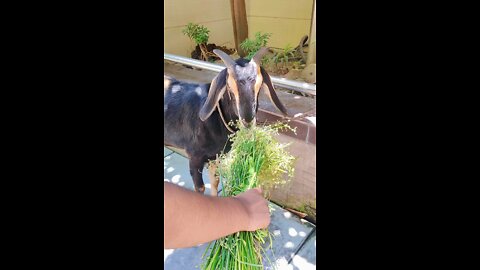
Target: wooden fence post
(312,44)
(240,25)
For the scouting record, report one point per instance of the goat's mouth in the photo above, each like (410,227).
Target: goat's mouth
(248,123)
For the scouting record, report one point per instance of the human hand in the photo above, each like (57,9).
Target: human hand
(256,208)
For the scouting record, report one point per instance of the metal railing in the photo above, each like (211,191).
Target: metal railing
(303,87)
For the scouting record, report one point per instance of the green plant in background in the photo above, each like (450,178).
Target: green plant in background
(199,34)
(284,59)
(256,159)
(283,56)
(252,46)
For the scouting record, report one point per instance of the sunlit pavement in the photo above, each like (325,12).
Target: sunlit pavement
(294,242)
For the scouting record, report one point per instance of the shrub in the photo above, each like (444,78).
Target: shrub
(197,33)
(252,46)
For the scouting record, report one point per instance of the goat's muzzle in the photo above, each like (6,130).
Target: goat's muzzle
(249,124)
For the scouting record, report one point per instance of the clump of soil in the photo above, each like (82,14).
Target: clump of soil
(281,69)
(197,53)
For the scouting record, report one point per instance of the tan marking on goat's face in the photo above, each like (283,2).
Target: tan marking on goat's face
(258,82)
(232,83)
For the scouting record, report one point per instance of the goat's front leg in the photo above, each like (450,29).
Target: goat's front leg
(214,179)
(196,167)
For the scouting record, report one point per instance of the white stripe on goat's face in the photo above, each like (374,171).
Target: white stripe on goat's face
(245,83)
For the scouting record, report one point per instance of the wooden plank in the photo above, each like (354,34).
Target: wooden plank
(300,194)
(312,44)
(240,25)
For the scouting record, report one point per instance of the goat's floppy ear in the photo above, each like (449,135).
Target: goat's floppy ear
(270,91)
(217,88)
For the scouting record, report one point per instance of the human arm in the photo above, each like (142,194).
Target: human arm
(191,218)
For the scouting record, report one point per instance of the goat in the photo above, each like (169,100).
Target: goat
(196,115)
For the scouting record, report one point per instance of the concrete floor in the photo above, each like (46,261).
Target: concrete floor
(294,242)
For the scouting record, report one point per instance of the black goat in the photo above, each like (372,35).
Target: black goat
(196,115)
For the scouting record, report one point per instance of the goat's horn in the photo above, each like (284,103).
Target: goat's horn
(257,58)
(225,58)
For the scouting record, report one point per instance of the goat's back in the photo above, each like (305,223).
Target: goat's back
(182,125)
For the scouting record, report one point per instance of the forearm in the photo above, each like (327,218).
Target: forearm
(191,218)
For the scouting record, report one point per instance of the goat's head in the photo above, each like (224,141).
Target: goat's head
(243,81)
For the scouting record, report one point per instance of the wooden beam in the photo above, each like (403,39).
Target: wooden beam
(312,44)
(240,25)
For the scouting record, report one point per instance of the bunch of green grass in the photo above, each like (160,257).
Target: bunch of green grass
(256,159)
